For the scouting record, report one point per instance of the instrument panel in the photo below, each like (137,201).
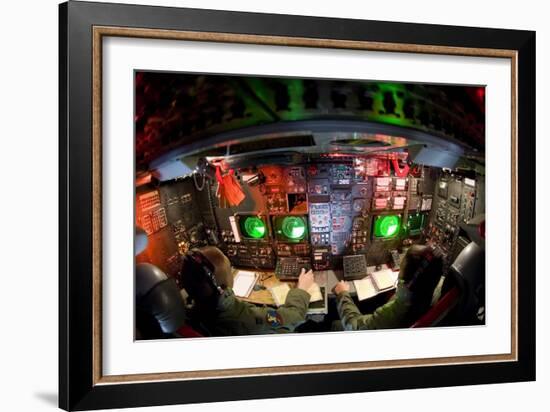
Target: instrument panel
(456,200)
(323,210)
(319,211)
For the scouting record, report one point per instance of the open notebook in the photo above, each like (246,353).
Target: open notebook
(375,283)
(317,301)
(244,283)
(280,292)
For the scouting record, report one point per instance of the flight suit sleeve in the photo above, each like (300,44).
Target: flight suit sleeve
(387,316)
(276,320)
(294,310)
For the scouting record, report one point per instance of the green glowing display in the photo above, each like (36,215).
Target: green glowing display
(416,223)
(293,227)
(386,226)
(254,227)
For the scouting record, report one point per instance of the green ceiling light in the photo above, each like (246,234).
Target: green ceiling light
(294,227)
(386,226)
(254,227)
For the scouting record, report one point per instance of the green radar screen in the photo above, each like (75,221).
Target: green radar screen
(387,227)
(290,228)
(416,223)
(253,227)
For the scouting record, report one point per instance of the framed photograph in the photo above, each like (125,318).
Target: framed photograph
(256,205)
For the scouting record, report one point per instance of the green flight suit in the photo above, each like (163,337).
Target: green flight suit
(393,314)
(235,317)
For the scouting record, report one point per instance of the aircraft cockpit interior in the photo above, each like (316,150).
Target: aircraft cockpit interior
(285,176)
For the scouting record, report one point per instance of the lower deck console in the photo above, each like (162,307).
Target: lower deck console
(355,267)
(289,268)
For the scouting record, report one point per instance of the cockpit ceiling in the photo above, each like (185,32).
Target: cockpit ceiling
(180,115)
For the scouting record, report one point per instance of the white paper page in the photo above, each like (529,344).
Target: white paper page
(279,293)
(244,282)
(365,288)
(315,293)
(385,278)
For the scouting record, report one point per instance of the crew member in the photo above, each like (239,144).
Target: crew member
(420,272)
(207,277)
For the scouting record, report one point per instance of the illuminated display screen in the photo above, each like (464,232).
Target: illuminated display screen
(290,228)
(416,223)
(386,227)
(252,227)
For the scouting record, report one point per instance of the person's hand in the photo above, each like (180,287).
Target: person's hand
(341,287)
(305,280)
